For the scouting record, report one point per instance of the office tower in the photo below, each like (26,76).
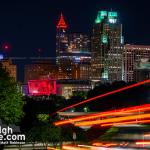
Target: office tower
(9,67)
(106,42)
(132,55)
(73,52)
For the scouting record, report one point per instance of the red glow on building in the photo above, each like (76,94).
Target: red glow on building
(62,24)
(6,47)
(42,87)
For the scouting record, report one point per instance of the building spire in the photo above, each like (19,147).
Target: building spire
(62,24)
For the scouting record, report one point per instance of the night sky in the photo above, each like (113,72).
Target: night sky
(29,25)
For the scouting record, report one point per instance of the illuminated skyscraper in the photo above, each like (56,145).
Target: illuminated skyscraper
(106,42)
(73,52)
(62,46)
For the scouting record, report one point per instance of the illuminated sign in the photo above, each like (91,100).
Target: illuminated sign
(42,87)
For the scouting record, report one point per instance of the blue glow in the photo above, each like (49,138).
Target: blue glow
(1,56)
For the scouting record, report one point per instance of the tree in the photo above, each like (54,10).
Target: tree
(44,132)
(11,100)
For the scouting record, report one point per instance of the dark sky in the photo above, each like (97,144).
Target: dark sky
(29,25)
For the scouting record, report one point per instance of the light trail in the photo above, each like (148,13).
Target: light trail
(113,120)
(66,147)
(137,109)
(143,143)
(147,134)
(103,95)
(125,123)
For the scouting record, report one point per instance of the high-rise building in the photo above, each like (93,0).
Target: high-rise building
(106,38)
(62,46)
(73,52)
(9,67)
(132,55)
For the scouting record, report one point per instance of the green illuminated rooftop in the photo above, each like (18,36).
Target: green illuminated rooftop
(102,13)
(100,16)
(112,16)
(97,20)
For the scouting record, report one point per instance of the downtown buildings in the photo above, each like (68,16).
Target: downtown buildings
(73,63)
(81,59)
(112,60)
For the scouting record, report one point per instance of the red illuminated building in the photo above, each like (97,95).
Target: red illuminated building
(42,87)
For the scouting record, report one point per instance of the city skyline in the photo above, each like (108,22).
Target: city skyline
(30,27)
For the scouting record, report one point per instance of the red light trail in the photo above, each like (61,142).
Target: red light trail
(113,120)
(125,123)
(145,107)
(103,95)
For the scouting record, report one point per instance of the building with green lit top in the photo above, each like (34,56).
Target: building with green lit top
(106,42)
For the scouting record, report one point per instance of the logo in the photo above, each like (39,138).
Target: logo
(11,135)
